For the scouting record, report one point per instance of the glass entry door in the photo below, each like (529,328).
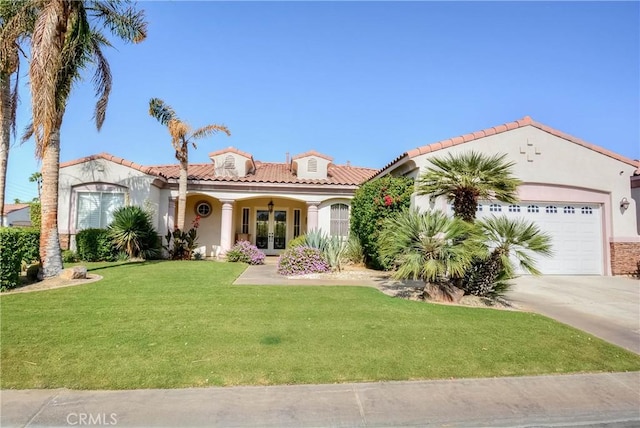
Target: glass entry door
(271,230)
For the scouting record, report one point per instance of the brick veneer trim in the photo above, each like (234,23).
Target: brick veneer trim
(625,258)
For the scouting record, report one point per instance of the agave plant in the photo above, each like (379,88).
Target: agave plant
(132,232)
(429,246)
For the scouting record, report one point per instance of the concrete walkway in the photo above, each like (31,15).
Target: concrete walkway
(586,400)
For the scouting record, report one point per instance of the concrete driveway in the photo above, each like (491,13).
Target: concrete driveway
(605,306)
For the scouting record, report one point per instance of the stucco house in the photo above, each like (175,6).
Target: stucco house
(585,196)
(16,215)
(235,196)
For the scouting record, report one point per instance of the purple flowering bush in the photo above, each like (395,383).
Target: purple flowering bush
(301,261)
(245,252)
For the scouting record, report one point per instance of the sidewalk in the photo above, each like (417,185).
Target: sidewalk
(583,400)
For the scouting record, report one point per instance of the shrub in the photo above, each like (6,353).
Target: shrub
(69,256)
(35,214)
(372,203)
(180,244)
(94,245)
(301,261)
(353,252)
(17,246)
(132,231)
(297,242)
(245,252)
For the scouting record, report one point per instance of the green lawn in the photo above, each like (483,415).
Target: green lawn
(180,324)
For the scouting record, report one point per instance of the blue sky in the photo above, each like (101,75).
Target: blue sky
(360,81)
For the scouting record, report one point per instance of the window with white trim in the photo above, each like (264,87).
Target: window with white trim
(339,220)
(551,209)
(533,209)
(586,210)
(514,208)
(479,207)
(95,209)
(569,210)
(245,220)
(296,222)
(495,208)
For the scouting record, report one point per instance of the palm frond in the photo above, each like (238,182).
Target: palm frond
(101,79)
(161,111)
(205,131)
(129,24)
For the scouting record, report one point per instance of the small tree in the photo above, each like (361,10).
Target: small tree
(372,203)
(132,232)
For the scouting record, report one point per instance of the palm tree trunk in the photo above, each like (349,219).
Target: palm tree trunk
(5,134)
(182,192)
(50,253)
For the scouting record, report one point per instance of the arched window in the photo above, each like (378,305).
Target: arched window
(312,165)
(339,220)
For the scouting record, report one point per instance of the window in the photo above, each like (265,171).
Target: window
(245,220)
(479,207)
(312,165)
(569,210)
(514,208)
(339,220)
(203,209)
(586,210)
(533,209)
(495,208)
(296,223)
(95,209)
(551,209)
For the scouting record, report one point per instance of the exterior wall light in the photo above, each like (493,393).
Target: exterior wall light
(270,205)
(624,203)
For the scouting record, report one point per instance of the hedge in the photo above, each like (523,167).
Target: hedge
(94,245)
(16,245)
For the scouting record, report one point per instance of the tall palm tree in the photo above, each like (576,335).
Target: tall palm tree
(465,178)
(66,39)
(510,240)
(429,246)
(10,38)
(181,136)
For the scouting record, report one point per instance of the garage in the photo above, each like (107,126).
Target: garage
(575,230)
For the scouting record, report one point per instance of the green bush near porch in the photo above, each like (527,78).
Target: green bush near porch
(172,324)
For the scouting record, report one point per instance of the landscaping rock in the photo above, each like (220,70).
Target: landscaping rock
(76,272)
(443,293)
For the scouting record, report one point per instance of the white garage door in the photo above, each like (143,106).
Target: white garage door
(575,229)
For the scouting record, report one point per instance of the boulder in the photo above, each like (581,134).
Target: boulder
(446,293)
(76,272)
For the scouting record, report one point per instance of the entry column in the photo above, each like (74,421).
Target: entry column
(226,225)
(312,216)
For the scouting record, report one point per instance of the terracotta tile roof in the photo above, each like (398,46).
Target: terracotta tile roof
(115,159)
(266,172)
(526,121)
(269,172)
(9,208)
(231,150)
(312,153)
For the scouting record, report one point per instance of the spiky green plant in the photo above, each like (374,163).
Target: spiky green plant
(132,232)
(467,177)
(429,246)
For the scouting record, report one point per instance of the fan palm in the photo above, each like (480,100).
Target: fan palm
(510,240)
(10,38)
(428,246)
(465,178)
(181,136)
(132,232)
(66,39)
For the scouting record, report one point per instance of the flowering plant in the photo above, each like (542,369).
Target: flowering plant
(301,261)
(180,245)
(245,252)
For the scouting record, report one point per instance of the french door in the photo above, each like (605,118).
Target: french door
(271,230)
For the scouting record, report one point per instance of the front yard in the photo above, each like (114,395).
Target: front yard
(180,324)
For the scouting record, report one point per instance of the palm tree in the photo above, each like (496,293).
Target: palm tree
(66,39)
(509,240)
(465,178)
(36,177)
(10,38)
(181,136)
(429,246)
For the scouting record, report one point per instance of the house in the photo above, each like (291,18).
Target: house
(235,197)
(585,196)
(16,215)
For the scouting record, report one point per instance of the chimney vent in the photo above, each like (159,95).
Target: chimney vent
(287,158)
